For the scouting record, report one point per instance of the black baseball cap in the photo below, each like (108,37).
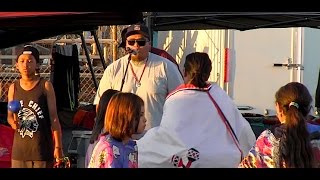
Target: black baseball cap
(138,29)
(29,49)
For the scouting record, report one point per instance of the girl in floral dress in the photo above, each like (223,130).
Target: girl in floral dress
(293,147)
(116,149)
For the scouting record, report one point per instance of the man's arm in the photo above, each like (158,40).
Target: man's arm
(104,84)
(55,124)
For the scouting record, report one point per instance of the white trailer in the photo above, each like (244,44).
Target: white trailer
(251,65)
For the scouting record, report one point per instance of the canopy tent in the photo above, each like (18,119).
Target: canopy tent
(21,27)
(164,21)
(24,27)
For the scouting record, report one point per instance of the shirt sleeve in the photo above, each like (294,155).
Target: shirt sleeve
(104,84)
(260,155)
(174,77)
(102,156)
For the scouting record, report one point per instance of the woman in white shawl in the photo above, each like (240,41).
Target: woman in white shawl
(193,132)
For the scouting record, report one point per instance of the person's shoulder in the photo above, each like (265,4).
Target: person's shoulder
(157,51)
(13,84)
(155,56)
(214,88)
(165,61)
(116,64)
(45,83)
(214,85)
(103,142)
(160,52)
(43,80)
(267,135)
(119,61)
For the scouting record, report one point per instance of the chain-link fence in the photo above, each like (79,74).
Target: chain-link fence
(9,74)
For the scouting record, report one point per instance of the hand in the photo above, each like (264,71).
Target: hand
(15,125)
(60,160)
(62,163)
(58,153)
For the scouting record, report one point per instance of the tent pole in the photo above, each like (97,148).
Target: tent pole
(114,45)
(93,32)
(84,46)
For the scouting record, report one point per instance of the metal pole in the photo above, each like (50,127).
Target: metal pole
(99,48)
(84,46)
(299,57)
(148,22)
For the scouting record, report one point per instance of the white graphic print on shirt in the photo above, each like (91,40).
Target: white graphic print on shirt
(28,119)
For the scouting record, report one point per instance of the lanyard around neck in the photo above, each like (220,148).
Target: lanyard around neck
(138,83)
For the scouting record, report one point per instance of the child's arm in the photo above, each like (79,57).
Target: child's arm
(55,124)
(102,156)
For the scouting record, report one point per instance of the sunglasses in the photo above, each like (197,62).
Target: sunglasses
(139,42)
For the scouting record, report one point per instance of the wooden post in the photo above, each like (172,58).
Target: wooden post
(105,54)
(114,45)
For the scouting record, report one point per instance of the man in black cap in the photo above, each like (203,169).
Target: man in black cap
(148,75)
(153,50)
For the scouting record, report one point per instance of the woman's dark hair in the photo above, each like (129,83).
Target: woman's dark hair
(295,100)
(198,65)
(101,112)
(123,115)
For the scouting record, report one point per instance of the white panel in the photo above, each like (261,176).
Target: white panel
(256,79)
(181,43)
(311,60)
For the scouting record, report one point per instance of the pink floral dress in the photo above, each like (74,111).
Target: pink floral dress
(265,153)
(111,153)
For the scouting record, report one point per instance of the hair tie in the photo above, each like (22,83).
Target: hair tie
(294,104)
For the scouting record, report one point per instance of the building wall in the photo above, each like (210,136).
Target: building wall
(256,79)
